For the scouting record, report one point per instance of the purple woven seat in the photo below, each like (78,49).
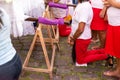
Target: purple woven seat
(50,22)
(57,5)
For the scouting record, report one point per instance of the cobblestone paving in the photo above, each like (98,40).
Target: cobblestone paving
(64,69)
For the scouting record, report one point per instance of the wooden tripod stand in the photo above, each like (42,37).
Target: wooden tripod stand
(53,40)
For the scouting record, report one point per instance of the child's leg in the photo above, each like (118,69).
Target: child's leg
(102,37)
(94,55)
(84,56)
(116,72)
(94,35)
(81,49)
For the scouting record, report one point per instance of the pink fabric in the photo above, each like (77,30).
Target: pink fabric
(84,56)
(57,5)
(50,22)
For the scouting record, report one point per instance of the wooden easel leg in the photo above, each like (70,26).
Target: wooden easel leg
(30,51)
(23,72)
(43,47)
(51,75)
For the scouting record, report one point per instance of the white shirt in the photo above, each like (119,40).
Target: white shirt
(61,13)
(97,4)
(7,51)
(83,13)
(114,16)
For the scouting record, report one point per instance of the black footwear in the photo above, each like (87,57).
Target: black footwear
(109,61)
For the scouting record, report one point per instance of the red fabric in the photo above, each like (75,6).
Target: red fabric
(84,56)
(64,30)
(97,22)
(113,41)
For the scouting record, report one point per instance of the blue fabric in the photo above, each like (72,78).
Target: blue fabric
(10,63)
(75,1)
(12,69)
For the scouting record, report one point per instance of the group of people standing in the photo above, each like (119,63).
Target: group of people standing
(88,16)
(91,15)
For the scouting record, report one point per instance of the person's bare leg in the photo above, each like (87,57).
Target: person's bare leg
(102,37)
(94,35)
(116,72)
(95,39)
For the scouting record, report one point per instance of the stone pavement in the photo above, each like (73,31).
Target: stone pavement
(64,69)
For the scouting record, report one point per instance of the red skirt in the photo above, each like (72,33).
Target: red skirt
(113,41)
(97,22)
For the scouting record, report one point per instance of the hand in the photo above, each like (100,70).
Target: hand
(70,40)
(101,15)
(103,12)
(106,3)
(72,43)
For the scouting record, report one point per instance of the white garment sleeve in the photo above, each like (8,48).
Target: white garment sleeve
(82,14)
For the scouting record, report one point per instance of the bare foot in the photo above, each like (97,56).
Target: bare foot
(95,40)
(95,47)
(115,73)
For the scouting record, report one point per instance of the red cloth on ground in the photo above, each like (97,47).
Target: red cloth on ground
(97,22)
(113,41)
(84,56)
